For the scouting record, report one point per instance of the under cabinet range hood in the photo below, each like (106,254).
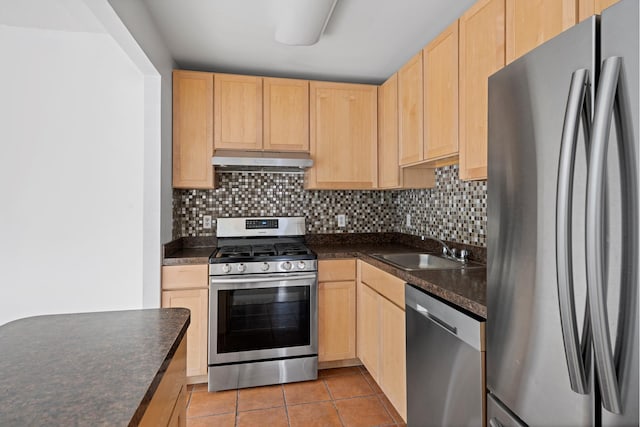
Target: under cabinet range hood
(261,161)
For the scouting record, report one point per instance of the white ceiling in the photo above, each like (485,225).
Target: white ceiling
(60,15)
(366,40)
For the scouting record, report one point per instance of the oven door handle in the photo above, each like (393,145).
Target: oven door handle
(263,279)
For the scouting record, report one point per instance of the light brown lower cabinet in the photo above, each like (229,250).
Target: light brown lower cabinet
(186,286)
(168,406)
(381,332)
(336,310)
(368,328)
(392,377)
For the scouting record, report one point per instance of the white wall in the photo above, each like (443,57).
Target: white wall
(142,27)
(141,30)
(72,165)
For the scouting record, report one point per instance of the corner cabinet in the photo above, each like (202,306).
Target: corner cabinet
(336,310)
(343,136)
(388,162)
(286,115)
(410,111)
(482,53)
(192,129)
(441,95)
(187,286)
(381,332)
(237,106)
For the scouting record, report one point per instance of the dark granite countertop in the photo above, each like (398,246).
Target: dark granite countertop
(188,250)
(87,369)
(465,288)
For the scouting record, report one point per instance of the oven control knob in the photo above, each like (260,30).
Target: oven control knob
(286,265)
(301,265)
(226,268)
(265,266)
(241,267)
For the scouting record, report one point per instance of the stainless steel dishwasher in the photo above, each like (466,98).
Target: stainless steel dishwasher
(444,363)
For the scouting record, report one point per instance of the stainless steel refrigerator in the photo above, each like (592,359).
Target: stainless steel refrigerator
(562,303)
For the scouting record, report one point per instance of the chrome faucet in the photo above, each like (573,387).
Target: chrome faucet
(447,251)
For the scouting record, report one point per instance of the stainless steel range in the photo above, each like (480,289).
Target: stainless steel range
(263,304)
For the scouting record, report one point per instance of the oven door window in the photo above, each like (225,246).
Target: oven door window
(263,318)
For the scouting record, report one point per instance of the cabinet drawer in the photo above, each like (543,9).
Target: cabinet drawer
(336,270)
(185,276)
(387,285)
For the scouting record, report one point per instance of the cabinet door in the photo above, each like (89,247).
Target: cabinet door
(336,321)
(388,162)
(441,95)
(393,365)
(586,8)
(531,23)
(410,111)
(369,329)
(286,115)
(481,54)
(237,111)
(196,300)
(343,136)
(192,129)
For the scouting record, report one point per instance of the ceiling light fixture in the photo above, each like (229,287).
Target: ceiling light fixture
(302,22)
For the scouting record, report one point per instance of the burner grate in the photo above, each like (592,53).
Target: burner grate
(291,249)
(233,251)
(263,250)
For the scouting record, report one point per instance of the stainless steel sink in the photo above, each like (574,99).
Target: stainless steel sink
(422,261)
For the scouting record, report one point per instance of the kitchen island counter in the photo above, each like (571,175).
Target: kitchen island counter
(88,368)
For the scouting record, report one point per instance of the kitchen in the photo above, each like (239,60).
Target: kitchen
(390,218)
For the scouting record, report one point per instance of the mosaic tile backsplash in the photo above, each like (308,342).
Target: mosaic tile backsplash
(454,210)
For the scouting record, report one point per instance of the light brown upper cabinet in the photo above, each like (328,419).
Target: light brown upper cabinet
(286,114)
(410,111)
(237,106)
(531,23)
(441,95)
(343,136)
(192,129)
(586,8)
(388,166)
(482,53)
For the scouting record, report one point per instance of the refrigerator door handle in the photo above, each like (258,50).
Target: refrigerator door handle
(578,106)
(609,103)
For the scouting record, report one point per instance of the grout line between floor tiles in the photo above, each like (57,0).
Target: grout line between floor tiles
(333,402)
(286,407)
(235,421)
(386,410)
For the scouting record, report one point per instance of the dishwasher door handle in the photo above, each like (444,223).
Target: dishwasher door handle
(422,310)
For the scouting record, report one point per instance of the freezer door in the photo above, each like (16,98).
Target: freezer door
(619,249)
(527,366)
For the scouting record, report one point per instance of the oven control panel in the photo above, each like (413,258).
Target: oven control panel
(261,224)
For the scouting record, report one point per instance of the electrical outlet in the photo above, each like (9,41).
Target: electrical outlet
(342,220)
(206,221)
(408,220)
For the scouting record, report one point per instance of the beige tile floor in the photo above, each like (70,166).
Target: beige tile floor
(339,397)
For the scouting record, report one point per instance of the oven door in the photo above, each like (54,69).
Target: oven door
(262,316)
